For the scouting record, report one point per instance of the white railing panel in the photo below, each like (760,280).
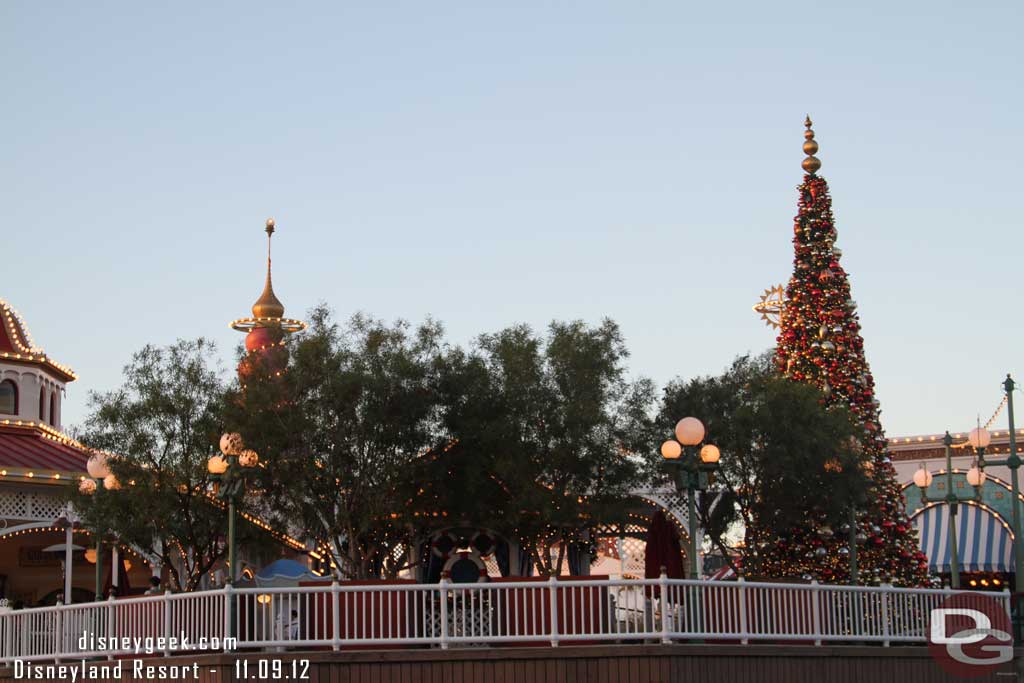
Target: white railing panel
(549,612)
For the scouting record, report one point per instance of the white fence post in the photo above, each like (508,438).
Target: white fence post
(663,585)
(743,610)
(553,593)
(228,588)
(443,585)
(167,622)
(8,618)
(335,615)
(58,633)
(816,611)
(885,613)
(111,631)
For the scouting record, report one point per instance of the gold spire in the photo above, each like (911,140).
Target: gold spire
(811,164)
(268,305)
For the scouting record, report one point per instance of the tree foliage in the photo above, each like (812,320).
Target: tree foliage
(376,434)
(339,430)
(555,425)
(783,453)
(162,425)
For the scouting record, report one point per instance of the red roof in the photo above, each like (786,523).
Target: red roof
(31,449)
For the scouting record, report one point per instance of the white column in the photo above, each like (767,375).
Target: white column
(115,567)
(620,548)
(69,556)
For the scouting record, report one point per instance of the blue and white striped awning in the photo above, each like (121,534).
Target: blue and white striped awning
(984,544)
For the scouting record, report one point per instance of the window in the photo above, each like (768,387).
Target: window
(42,404)
(8,397)
(53,408)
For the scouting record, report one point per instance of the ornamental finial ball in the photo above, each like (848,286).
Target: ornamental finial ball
(270,226)
(811,164)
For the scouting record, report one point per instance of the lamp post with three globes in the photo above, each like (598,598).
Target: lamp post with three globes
(980,439)
(693,466)
(230,470)
(975,477)
(99,472)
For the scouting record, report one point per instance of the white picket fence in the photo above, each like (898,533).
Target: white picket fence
(336,616)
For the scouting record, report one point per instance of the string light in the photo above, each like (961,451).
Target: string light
(22,340)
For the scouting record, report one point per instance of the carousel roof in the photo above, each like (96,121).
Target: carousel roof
(16,344)
(32,448)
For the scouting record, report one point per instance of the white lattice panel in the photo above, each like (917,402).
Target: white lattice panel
(632,554)
(671,501)
(474,622)
(30,505)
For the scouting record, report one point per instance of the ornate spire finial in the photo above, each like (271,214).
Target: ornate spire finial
(268,305)
(811,164)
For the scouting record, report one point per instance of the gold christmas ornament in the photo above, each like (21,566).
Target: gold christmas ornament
(811,164)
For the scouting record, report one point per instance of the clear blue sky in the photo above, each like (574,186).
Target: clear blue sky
(493,165)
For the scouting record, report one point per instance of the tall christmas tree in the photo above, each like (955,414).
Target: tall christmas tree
(820,343)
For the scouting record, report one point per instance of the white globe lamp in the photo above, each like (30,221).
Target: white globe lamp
(979,437)
(671,450)
(690,431)
(922,477)
(217,464)
(710,454)
(97,466)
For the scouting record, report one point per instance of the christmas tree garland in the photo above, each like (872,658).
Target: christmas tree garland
(820,343)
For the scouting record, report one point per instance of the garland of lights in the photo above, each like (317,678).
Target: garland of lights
(22,339)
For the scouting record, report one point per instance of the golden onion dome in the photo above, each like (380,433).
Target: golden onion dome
(268,305)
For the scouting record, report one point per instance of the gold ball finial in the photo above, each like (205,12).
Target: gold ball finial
(270,226)
(811,164)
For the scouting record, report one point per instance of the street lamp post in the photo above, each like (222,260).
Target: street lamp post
(975,477)
(230,469)
(692,468)
(980,438)
(99,476)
